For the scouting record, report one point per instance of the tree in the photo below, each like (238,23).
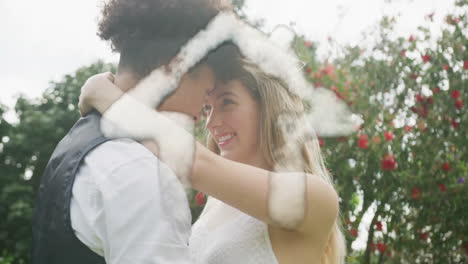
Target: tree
(27,147)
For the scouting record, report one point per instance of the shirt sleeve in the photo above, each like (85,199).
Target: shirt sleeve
(136,222)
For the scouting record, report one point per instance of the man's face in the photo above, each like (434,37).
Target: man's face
(190,95)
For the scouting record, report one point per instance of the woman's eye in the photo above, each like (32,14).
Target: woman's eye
(227,101)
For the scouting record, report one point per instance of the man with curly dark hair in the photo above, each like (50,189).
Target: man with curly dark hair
(99,199)
(148,33)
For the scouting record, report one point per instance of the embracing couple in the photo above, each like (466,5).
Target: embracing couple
(113,191)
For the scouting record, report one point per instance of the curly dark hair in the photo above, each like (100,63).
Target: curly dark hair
(148,33)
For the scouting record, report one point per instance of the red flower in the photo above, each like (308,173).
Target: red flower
(423,236)
(418,98)
(445,167)
(415,193)
(388,163)
(458,104)
(407,128)
(429,100)
(441,187)
(403,53)
(328,70)
(378,226)
(388,135)
(426,58)
(454,123)
(465,65)
(422,111)
(455,94)
(320,142)
(308,44)
(200,199)
(411,38)
(362,141)
(308,69)
(445,67)
(381,247)
(435,90)
(353,232)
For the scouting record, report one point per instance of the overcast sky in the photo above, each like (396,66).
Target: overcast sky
(43,40)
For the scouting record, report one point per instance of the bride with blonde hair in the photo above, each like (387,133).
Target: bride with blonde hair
(257,107)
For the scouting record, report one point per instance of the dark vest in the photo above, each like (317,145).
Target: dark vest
(54,241)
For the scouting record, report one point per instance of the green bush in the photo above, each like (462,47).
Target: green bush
(408,161)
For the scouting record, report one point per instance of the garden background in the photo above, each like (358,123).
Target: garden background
(404,169)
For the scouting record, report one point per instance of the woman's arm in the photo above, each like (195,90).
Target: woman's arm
(248,189)
(98,92)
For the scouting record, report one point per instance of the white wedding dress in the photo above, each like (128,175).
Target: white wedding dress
(232,238)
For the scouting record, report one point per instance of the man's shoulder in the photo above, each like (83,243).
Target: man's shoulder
(117,152)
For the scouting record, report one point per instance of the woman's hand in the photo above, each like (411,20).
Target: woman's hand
(99,92)
(151,146)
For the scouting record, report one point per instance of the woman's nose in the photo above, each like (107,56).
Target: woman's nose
(213,120)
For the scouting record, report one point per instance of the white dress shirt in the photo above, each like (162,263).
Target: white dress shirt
(129,207)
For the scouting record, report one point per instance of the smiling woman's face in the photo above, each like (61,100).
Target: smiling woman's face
(233,120)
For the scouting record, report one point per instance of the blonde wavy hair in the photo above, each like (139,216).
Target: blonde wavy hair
(276,104)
